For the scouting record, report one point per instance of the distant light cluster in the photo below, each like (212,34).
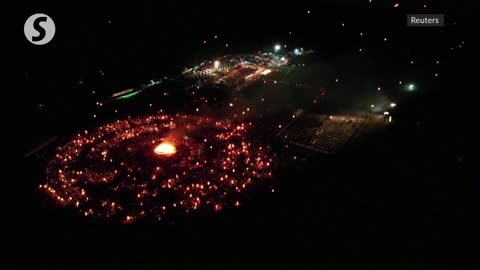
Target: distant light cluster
(120,171)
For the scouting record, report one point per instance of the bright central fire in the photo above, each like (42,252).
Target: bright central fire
(165,149)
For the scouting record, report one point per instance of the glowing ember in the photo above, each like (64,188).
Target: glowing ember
(165,149)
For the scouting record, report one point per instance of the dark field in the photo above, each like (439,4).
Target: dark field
(392,196)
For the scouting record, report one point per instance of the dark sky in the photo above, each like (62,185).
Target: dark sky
(152,37)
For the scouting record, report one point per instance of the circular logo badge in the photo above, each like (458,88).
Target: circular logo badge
(39,29)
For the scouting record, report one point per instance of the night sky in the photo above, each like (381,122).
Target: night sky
(419,210)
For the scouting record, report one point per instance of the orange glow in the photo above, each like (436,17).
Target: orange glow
(266,72)
(196,181)
(165,149)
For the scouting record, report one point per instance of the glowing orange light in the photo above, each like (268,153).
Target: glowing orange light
(165,149)
(265,72)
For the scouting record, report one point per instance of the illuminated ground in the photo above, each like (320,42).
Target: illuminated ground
(160,165)
(156,167)
(328,133)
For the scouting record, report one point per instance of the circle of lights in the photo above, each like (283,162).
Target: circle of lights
(157,167)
